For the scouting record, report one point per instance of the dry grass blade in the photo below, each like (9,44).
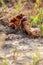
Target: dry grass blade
(2,39)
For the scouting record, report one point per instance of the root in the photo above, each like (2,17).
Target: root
(22,23)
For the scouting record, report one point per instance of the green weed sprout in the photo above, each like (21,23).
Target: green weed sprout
(5,62)
(41,14)
(34,20)
(35,57)
(41,28)
(19,6)
(15,50)
(37,19)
